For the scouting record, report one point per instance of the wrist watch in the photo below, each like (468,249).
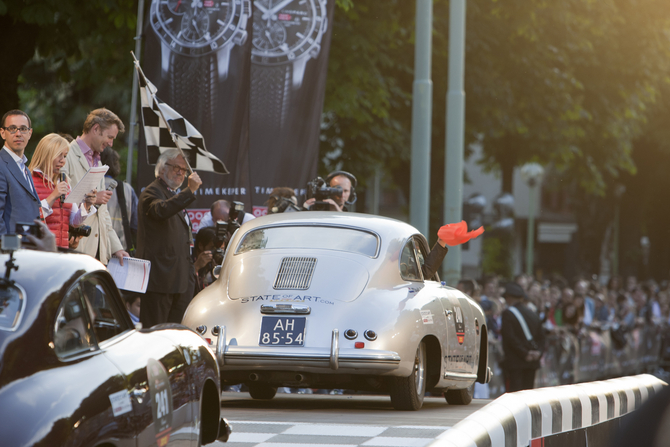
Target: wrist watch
(196,38)
(286,35)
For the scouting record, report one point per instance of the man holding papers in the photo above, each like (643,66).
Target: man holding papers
(100,129)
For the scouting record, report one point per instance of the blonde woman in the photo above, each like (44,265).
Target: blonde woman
(45,166)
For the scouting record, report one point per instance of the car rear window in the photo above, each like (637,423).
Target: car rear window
(304,237)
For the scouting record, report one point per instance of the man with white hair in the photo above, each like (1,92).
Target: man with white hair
(164,238)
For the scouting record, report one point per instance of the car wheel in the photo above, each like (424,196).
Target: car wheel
(262,391)
(460,397)
(407,392)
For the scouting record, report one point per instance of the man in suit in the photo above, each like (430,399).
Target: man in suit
(523,340)
(18,199)
(164,238)
(100,129)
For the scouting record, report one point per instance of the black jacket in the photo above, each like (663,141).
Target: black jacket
(515,344)
(164,237)
(433,261)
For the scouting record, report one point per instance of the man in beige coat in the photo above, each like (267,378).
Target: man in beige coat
(100,129)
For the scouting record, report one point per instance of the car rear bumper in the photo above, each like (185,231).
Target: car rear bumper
(318,360)
(362,362)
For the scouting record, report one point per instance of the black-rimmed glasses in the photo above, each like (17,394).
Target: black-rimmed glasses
(177,169)
(14,129)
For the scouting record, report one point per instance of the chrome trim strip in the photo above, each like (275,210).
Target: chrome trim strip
(283,308)
(460,376)
(221,345)
(335,350)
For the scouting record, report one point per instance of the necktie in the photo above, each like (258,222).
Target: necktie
(27,175)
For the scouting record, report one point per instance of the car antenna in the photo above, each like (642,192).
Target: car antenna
(10,243)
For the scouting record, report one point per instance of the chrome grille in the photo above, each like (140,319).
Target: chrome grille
(295,273)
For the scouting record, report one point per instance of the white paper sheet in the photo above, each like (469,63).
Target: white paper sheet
(132,276)
(90,181)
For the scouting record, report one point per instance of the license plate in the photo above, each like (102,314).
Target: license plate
(282,331)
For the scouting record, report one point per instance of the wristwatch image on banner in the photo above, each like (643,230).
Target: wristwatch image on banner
(286,35)
(196,41)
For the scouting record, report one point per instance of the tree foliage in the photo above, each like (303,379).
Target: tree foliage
(579,85)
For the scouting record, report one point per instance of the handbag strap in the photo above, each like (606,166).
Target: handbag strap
(522,322)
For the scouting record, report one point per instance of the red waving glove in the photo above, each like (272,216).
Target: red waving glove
(457,233)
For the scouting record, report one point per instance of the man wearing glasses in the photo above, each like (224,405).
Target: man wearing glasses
(18,199)
(100,129)
(164,237)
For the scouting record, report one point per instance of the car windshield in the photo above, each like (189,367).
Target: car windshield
(299,237)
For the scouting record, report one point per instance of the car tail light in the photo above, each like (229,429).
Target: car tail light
(359,345)
(209,341)
(350,334)
(370,335)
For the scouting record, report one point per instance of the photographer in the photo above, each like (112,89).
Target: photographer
(283,200)
(333,194)
(220,211)
(207,254)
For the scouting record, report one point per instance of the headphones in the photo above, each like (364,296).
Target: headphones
(352,179)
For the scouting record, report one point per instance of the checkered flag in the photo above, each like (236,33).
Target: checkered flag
(165,129)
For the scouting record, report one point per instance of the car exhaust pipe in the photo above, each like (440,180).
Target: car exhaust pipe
(299,378)
(254,377)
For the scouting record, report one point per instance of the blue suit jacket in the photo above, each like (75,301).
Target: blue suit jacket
(18,199)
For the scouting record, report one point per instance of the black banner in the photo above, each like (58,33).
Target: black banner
(250,76)
(198,57)
(289,61)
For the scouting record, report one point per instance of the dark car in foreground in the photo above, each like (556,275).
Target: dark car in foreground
(74,371)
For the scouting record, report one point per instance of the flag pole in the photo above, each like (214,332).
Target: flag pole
(172,135)
(133,101)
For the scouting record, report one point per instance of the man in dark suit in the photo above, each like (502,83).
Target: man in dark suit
(523,340)
(18,199)
(164,237)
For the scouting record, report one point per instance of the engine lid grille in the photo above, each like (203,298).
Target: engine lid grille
(295,273)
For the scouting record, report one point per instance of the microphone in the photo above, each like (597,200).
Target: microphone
(62,197)
(112,185)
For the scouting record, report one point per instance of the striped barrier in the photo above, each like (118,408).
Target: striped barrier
(527,418)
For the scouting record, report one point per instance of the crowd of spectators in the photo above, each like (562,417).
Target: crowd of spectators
(577,304)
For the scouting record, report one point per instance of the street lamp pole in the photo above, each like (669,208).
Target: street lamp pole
(532,174)
(619,190)
(530,238)
(422,108)
(453,170)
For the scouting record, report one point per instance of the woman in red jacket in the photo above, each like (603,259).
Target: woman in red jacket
(47,161)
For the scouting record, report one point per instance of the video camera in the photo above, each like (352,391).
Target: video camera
(224,230)
(319,189)
(83,231)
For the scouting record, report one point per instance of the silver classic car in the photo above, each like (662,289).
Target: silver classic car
(338,300)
